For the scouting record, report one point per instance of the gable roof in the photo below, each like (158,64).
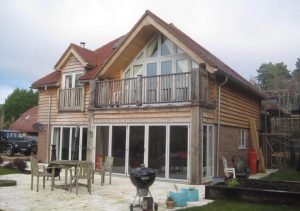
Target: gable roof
(25,121)
(98,60)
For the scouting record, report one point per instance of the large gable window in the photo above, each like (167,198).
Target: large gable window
(71,80)
(152,49)
(159,57)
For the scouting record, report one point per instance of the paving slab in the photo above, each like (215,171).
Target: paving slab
(117,196)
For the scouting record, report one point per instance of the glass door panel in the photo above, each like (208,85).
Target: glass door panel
(56,142)
(157,149)
(84,144)
(136,146)
(102,141)
(75,143)
(65,144)
(178,152)
(118,149)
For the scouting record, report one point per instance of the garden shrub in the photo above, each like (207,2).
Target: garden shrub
(20,164)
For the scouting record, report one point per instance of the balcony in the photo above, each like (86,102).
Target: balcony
(71,99)
(173,88)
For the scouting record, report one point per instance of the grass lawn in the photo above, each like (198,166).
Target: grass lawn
(4,171)
(219,205)
(284,175)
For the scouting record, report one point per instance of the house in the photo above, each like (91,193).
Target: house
(152,96)
(25,122)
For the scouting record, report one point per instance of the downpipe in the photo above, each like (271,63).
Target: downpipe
(219,121)
(48,124)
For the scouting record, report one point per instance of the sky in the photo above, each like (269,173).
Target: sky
(242,33)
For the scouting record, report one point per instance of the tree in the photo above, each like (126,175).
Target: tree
(17,103)
(273,76)
(297,70)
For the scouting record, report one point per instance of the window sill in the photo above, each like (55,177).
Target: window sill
(242,148)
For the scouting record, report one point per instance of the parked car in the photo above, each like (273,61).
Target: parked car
(12,141)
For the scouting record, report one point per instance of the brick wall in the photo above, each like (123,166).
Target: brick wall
(229,146)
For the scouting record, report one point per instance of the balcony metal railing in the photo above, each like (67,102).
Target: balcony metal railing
(171,88)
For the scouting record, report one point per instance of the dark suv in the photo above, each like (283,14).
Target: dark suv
(13,141)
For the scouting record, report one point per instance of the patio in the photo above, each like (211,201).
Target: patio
(117,196)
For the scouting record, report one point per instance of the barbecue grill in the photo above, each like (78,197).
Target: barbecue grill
(142,178)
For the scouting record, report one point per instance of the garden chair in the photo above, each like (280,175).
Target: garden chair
(38,171)
(240,166)
(228,171)
(106,167)
(82,172)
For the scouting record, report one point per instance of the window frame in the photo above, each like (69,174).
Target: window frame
(244,137)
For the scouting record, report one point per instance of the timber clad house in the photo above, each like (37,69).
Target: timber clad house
(153,96)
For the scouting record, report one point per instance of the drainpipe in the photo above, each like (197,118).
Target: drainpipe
(48,124)
(219,121)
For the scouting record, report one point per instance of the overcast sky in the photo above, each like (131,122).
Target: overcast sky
(243,34)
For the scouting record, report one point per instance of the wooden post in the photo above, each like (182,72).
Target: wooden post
(82,97)
(139,90)
(195,89)
(196,146)
(203,84)
(58,100)
(92,94)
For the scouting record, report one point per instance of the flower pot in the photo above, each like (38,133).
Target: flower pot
(170,204)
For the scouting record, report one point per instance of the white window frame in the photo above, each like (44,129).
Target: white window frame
(244,136)
(73,74)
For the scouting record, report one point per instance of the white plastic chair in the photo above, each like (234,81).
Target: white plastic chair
(227,170)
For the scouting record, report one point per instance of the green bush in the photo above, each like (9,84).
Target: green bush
(233,183)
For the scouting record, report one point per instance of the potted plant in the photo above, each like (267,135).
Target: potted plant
(170,203)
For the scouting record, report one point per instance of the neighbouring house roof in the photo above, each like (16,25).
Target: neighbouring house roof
(99,58)
(25,121)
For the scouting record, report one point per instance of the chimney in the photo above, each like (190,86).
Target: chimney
(82,44)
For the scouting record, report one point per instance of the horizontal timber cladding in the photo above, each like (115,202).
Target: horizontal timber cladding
(72,64)
(59,117)
(144,115)
(237,108)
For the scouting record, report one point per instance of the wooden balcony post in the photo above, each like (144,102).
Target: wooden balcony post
(139,90)
(58,100)
(204,84)
(195,86)
(92,94)
(82,97)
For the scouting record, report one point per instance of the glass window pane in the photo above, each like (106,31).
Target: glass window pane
(140,56)
(68,81)
(127,74)
(182,66)
(178,152)
(194,65)
(157,149)
(166,46)
(118,148)
(151,69)
(152,48)
(77,82)
(204,151)
(137,70)
(65,144)
(84,144)
(179,51)
(166,67)
(102,139)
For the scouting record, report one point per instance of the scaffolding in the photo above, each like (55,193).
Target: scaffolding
(281,128)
